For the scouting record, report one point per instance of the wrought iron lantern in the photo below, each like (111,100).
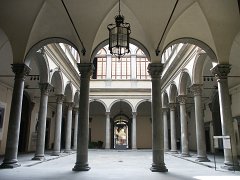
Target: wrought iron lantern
(119,36)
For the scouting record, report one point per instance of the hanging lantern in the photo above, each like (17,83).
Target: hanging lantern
(119,36)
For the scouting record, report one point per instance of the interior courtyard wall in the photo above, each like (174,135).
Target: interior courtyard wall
(192,130)
(98,128)
(5,101)
(144,132)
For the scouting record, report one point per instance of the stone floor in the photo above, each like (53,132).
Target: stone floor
(112,164)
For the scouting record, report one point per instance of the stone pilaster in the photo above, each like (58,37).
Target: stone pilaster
(184,128)
(42,116)
(158,165)
(221,71)
(58,123)
(172,107)
(11,150)
(200,131)
(83,122)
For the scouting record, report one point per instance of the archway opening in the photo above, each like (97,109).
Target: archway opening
(121,132)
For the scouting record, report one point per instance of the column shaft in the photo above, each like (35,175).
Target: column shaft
(166,147)
(134,130)
(42,116)
(108,139)
(184,128)
(58,125)
(173,128)
(158,165)
(83,120)
(11,150)
(68,128)
(221,71)
(75,129)
(200,131)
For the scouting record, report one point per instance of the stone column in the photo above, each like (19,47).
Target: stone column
(221,71)
(108,138)
(69,128)
(11,150)
(134,130)
(58,125)
(42,116)
(81,164)
(166,148)
(75,129)
(200,131)
(184,126)
(158,165)
(172,108)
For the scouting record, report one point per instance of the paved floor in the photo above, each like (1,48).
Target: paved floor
(110,164)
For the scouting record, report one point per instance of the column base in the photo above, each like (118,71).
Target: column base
(174,151)
(185,155)
(55,153)
(67,151)
(38,158)
(158,168)
(231,167)
(9,165)
(81,167)
(202,159)
(166,150)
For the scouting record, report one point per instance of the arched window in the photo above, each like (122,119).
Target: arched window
(131,66)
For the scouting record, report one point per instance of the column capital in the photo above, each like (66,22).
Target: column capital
(70,105)
(165,109)
(76,109)
(155,70)
(172,106)
(196,89)
(134,113)
(107,113)
(60,98)
(182,99)
(45,88)
(20,70)
(221,71)
(85,69)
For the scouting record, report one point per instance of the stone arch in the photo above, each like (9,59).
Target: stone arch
(183,82)
(132,41)
(196,42)
(140,102)
(100,101)
(173,93)
(45,42)
(76,99)
(165,99)
(57,81)
(124,100)
(42,66)
(198,66)
(68,92)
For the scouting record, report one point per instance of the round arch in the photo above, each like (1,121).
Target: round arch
(165,99)
(183,82)
(132,41)
(57,81)
(100,101)
(76,98)
(119,100)
(198,66)
(196,42)
(140,102)
(45,42)
(173,93)
(68,92)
